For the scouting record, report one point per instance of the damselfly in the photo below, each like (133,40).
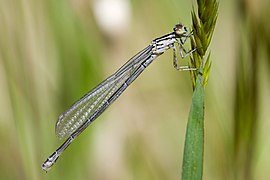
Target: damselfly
(78,117)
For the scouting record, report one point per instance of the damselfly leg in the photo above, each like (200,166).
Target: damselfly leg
(183,54)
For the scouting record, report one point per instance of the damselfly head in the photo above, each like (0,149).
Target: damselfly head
(180,30)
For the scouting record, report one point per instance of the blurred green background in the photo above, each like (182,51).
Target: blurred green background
(53,52)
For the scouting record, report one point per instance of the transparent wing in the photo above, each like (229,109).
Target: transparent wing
(81,110)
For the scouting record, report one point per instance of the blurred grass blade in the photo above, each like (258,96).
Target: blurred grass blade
(194,143)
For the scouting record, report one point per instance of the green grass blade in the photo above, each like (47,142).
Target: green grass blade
(203,23)
(194,143)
